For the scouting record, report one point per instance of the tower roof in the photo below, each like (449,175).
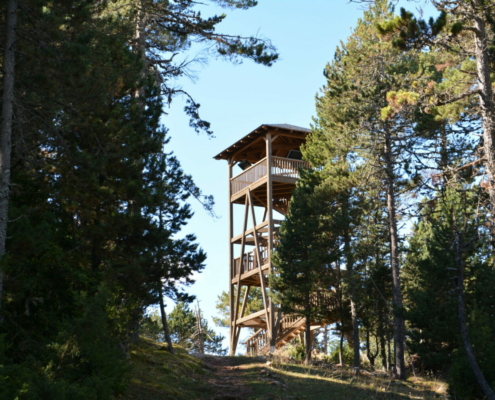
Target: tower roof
(243,149)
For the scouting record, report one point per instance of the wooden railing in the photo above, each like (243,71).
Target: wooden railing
(289,322)
(249,263)
(290,325)
(256,342)
(287,167)
(280,167)
(249,176)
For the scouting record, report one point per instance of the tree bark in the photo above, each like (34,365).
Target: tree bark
(325,340)
(307,339)
(383,339)
(352,288)
(166,332)
(6,126)
(399,328)
(487,104)
(480,378)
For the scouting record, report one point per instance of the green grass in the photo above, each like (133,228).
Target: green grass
(324,382)
(157,374)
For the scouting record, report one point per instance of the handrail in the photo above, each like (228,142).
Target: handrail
(247,169)
(286,167)
(248,176)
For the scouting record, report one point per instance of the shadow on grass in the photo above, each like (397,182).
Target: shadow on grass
(309,382)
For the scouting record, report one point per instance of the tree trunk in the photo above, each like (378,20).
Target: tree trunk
(383,340)
(166,332)
(389,352)
(6,126)
(325,340)
(307,339)
(488,392)
(201,338)
(352,287)
(369,354)
(399,329)
(487,104)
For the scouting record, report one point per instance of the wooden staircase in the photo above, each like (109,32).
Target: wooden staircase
(291,326)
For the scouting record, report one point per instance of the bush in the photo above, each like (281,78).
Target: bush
(347,354)
(297,352)
(462,382)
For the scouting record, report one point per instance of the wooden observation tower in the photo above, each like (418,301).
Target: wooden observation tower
(268,160)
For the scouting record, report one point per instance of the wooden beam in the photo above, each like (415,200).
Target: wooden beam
(258,256)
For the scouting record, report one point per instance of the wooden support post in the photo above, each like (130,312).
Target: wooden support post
(231,257)
(269,201)
(235,336)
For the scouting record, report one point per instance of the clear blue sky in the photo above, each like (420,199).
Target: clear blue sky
(236,99)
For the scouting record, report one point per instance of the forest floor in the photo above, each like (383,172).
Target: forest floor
(157,374)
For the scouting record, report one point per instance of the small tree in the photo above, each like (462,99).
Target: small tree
(190,330)
(302,259)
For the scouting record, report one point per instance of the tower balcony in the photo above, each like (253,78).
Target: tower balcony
(284,174)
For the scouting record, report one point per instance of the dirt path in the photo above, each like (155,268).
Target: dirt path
(227,380)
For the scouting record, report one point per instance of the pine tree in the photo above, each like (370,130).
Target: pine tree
(302,260)
(355,126)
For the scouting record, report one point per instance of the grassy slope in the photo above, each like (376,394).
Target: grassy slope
(158,374)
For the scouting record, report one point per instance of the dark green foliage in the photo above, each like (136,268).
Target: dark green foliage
(411,32)
(303,256)
(432,308)
(462,381)
(334,354)
(96,201)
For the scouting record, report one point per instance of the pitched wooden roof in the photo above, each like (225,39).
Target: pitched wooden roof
(252,148)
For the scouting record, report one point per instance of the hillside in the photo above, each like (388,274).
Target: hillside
(157,374)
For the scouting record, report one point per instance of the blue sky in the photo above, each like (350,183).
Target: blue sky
(236,99)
